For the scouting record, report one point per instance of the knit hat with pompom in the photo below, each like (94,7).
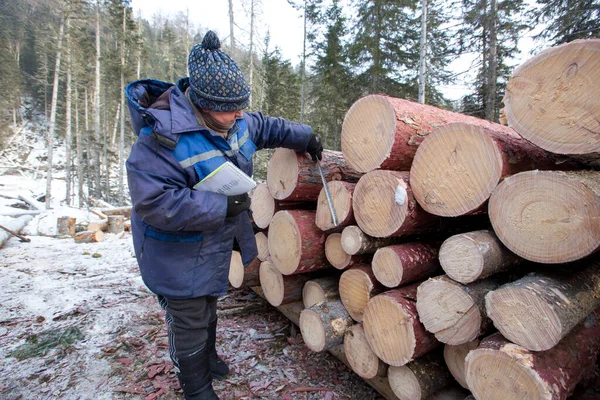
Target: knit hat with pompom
(216,81)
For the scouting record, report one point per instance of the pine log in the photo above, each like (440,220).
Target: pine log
(499,369)
(278,288)
(355,241)
(341,197)
(393,329)
(361,358)
(548,216)
(454,356)
(454,312)
(295,176)
(357,286)
(124,211)
(127,225)
(115,223)
(457,166)
(381,132)
(65,225)
(262,206)
(89,237)
(296,245)
(262,244)
(384,205)
(421,378)
(551,99)
(400,264)
(320,290)
(537,311)
(338,257)
(100,225)
(323,325)
(240,276)
(470,256)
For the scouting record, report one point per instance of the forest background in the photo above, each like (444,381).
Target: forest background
(64,65)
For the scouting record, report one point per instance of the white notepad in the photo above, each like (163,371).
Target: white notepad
(228,180)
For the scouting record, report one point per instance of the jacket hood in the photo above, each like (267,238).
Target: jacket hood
(161,106)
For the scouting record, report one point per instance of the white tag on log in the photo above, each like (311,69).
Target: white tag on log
(400,195)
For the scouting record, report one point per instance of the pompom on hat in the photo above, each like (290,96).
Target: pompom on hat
(216,81)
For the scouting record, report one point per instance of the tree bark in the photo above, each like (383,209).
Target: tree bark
(548,216)
(361,358)
(357,286)
(470,256)
(421,378)
(455,313)
(551,99)
(458,165)
(355,241)
(323,325)
(280,289)
(320,290)
(393,329)
(89,237)
(521,374)
(537,311)
(68,119)
(400,264)
(295,176)
(296,245)
(384,205)
(338,257)
(341,197)
(454,356)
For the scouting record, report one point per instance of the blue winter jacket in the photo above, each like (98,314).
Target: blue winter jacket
(182,238)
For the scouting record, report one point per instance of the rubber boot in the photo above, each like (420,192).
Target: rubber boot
(195,378)
(218,367)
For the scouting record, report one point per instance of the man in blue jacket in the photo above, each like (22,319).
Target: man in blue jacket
(183,238)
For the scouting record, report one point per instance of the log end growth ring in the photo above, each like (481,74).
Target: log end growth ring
(404,383)
(546,216)
(355,292)
(313,331)
(361,358)
(387,267)
(312,293)
(236,270)
(368,133)
(282,173)
(285,243)
(455,170)
(262,206)
(342,204)
(461,259)
(271,282)
(335,253)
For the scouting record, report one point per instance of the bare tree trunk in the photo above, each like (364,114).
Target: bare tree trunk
(68,134)
(122,106)
(113,136)
(95,159)
(303,73)
(79,140)
(50,138)
(139,49)
(490,104)
(231,25)
(251,47)
(423,53)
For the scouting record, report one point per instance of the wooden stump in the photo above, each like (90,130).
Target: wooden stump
(279,289)
(454,312)
(262,244)
(381,132)
(454,356)
(384,205)
(320,290)
(421,378)
(295,176)
(457,166)
(499,369)
(101,226)
(296,245)
(393,329)
(361,358)
(551,99)
(323,325)
(341,196)
(467,257)
(400,264)
(262,205)
(537,311)
(66,225)
(357,285)
(240,276)
(355,241)
(89,237)
(548,216)
(338,257)
(115,223)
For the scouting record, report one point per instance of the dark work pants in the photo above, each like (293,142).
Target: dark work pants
(187,322)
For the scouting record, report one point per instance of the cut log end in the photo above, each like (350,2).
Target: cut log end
(335,253)
(352,240)
(271,282)
(262,206)
(262,244)
(285,242)
(546,216)
(448,312)
(313,331)
(282,175)
(312,293)
(341,198)
(363,361)
(454,356)
(461,258)
(404,383)
(455,170)
(356,289)
(236,270)
(387,267)
(368,133)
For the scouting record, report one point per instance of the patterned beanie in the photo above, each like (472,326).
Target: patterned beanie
(216,81)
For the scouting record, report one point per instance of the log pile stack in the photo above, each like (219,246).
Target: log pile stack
(416,294)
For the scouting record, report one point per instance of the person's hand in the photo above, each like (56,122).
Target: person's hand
(237,204)
(315,147)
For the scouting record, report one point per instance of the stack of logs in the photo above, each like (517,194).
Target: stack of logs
(114,220)
(464,253)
